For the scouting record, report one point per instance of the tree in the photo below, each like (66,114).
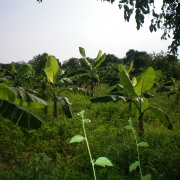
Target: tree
(168,19)
(168,64)
(72,63)
(141,59)
(38,62)
(111,58)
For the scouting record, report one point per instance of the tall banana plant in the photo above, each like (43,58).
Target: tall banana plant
(134,91)
(55,84)
(89,74)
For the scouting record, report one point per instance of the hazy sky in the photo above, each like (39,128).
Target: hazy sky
(60,27)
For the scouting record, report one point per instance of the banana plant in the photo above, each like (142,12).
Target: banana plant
(14,103)
(19,78)
(163,84)
(175,91)
(134,91)
(89,75)
(55,84)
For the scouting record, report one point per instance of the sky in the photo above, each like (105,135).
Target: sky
(60,27)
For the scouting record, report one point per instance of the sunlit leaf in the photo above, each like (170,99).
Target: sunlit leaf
(52,69)
(103,161)
(144,144)
(76,138)
(127,85)
(21,97)
(86,120)
(145,81)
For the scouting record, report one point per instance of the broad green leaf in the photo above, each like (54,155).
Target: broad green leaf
(162,116)
(145,81)
(82,52)
(108,98)
(128,127)
(51,69)
(133,166)
(144,144)
(99,55)
(24,70)
(65,106)
(146,177)
(127,85)
(19,115)
(76,138)
(86,120)
(103,161)
(20,97)
(100,60)
(158,75)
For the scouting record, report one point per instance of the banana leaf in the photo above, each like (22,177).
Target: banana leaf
(162,116)
(105,99)
(19,116)
(65,106)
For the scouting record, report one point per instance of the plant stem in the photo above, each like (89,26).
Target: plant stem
(89,149)
(140,171)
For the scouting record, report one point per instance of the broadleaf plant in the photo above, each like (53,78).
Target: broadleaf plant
(55,82)
(89,75)
(135,92)
(101,161)
(137,163)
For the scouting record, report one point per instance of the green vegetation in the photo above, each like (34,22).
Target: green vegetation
(36,145)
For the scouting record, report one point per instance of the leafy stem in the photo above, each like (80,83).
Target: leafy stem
(137,163)
(135,137)
(101,161)
(87,143)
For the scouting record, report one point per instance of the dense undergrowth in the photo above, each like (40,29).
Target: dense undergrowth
(24,154)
